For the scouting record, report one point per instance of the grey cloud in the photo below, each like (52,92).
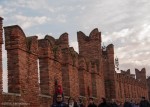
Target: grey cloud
(125,23)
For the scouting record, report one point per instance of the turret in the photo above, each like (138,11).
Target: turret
(141,75)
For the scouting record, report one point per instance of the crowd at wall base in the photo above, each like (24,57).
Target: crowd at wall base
(102,103)
(37,66)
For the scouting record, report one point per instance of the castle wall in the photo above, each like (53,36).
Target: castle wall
(36,67)
(148,84)
(132,88)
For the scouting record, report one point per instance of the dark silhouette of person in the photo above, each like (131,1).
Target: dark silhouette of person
(59,101)
(103,103)
(91,103)
(144,102)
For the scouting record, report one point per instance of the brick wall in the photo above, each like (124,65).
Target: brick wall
(148,84)
(91,73)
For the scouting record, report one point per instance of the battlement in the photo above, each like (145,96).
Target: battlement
(15,37)
(110,49)
(62,42)
(93,41)
(143,70)
(94,35)
(141,75)
(37,66)
(126,72)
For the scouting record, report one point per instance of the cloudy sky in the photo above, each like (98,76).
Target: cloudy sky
(125,23)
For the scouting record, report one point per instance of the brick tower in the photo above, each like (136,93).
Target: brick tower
(141,77)
(90,48)
(109,72)
(22,57)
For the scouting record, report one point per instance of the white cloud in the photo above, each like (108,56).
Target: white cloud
(74,44)
(61,18)
(1,10)
(33,4)
(5,11)
(27,22)
(132,46)
(124,23)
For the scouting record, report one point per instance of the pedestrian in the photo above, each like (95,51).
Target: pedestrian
(58,91)
(113,103)
(144,102)
(91,102)
(80,103)
(127,103)
(103,103)
(59,101)
(72,102)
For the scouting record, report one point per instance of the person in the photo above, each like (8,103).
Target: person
(91,102)
(103,103)
(113,103)
(59,101)
(80,103)
(136,105)
(58,91)
(132,103)
(144,102)
(72,102)
(127,103)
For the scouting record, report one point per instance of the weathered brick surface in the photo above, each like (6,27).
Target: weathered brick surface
(1,42)
(148,83)
(91,73)
(90,48)
(110,82)
(132,88)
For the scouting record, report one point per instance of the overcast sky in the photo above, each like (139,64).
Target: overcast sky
(125,23)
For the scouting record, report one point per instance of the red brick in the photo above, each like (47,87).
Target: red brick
(89,73)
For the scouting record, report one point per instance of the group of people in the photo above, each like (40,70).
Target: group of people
(103,103)
(59,102)
(70,103)
(127,103)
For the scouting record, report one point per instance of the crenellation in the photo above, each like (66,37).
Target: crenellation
(126,72)
(63,41)
(141,75)
(37,66)
(45,49)
(81,36)
(14,37)
(50,39)
(110,49)
(32,44)
(95,35)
